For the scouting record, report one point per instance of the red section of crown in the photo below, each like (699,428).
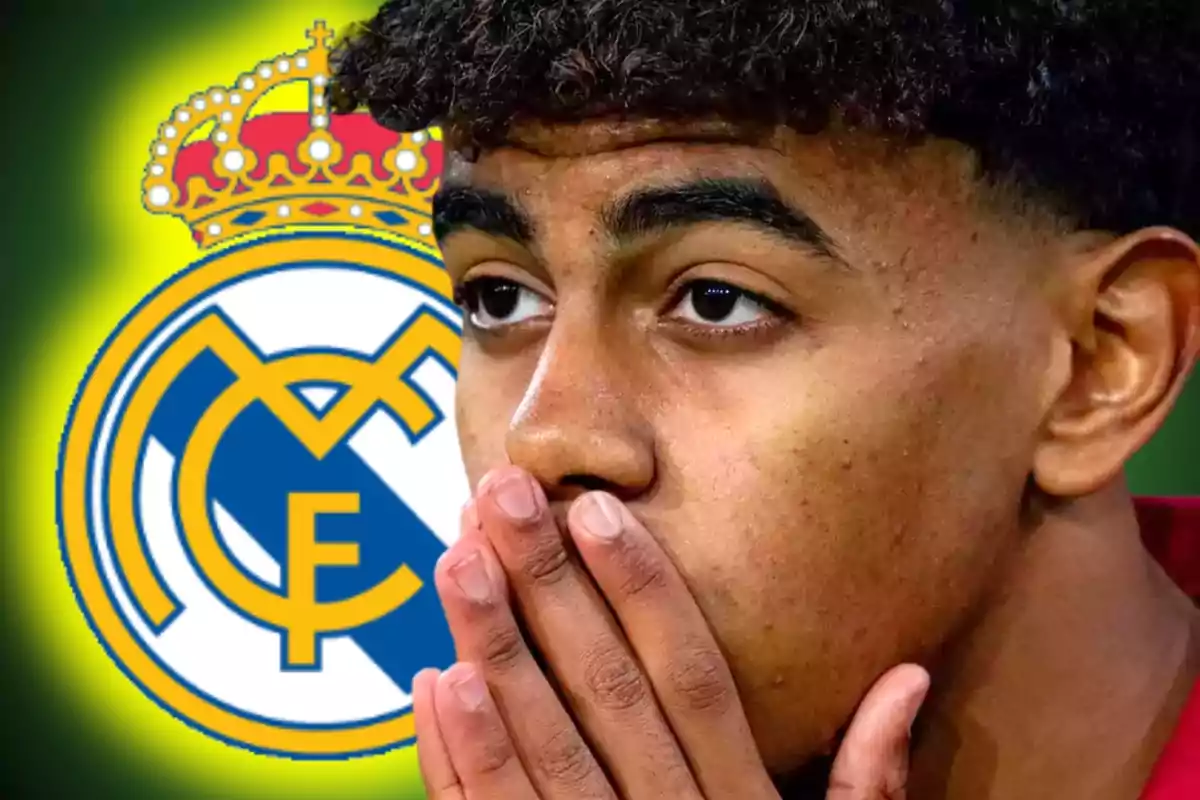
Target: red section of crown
(282,133)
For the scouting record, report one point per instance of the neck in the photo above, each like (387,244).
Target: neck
(1072,679)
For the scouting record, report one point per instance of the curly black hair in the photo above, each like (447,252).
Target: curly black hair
(1093,103)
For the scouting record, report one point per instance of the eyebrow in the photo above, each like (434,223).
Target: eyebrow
(459,207)
(640,213)
(755,202)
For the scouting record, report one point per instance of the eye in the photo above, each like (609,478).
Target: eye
(493,303)
(720,305)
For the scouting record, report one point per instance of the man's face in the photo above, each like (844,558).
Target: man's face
(812,365)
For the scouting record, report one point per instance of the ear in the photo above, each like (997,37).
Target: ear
(1132,327)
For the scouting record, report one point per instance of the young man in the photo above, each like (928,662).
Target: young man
(841,319)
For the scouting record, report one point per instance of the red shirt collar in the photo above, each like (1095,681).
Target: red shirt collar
(1177,774)
(1171,530)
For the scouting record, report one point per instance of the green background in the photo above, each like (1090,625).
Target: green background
(60,61)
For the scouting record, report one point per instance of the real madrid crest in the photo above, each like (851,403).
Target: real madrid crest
(261,467)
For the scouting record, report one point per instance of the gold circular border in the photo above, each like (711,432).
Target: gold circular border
(386,255)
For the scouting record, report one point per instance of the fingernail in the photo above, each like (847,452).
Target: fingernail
(489,478)
(468,687)
(600,515)
(517,499)
(471,576)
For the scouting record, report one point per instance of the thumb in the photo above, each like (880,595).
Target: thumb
(872,763)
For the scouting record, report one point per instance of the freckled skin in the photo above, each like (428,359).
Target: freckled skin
(843,491)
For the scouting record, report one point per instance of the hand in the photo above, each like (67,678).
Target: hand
(872,763)
(653,708)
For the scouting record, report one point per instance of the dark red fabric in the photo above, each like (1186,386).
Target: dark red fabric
(1171,530)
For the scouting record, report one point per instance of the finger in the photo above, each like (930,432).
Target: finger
(481,751)
(469,521)
(872,763)
(474,594)
(674,644)
(578,637)
(437,771)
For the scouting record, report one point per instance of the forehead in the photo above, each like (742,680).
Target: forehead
(867,191)
(598,159)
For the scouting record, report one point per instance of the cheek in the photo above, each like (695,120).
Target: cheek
(832,533)
(486,398)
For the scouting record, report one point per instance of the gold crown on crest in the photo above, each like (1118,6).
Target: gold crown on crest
(253,172)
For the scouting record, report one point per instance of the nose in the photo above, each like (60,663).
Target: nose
(579,427)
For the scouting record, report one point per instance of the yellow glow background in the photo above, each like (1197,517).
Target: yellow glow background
(138,252)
